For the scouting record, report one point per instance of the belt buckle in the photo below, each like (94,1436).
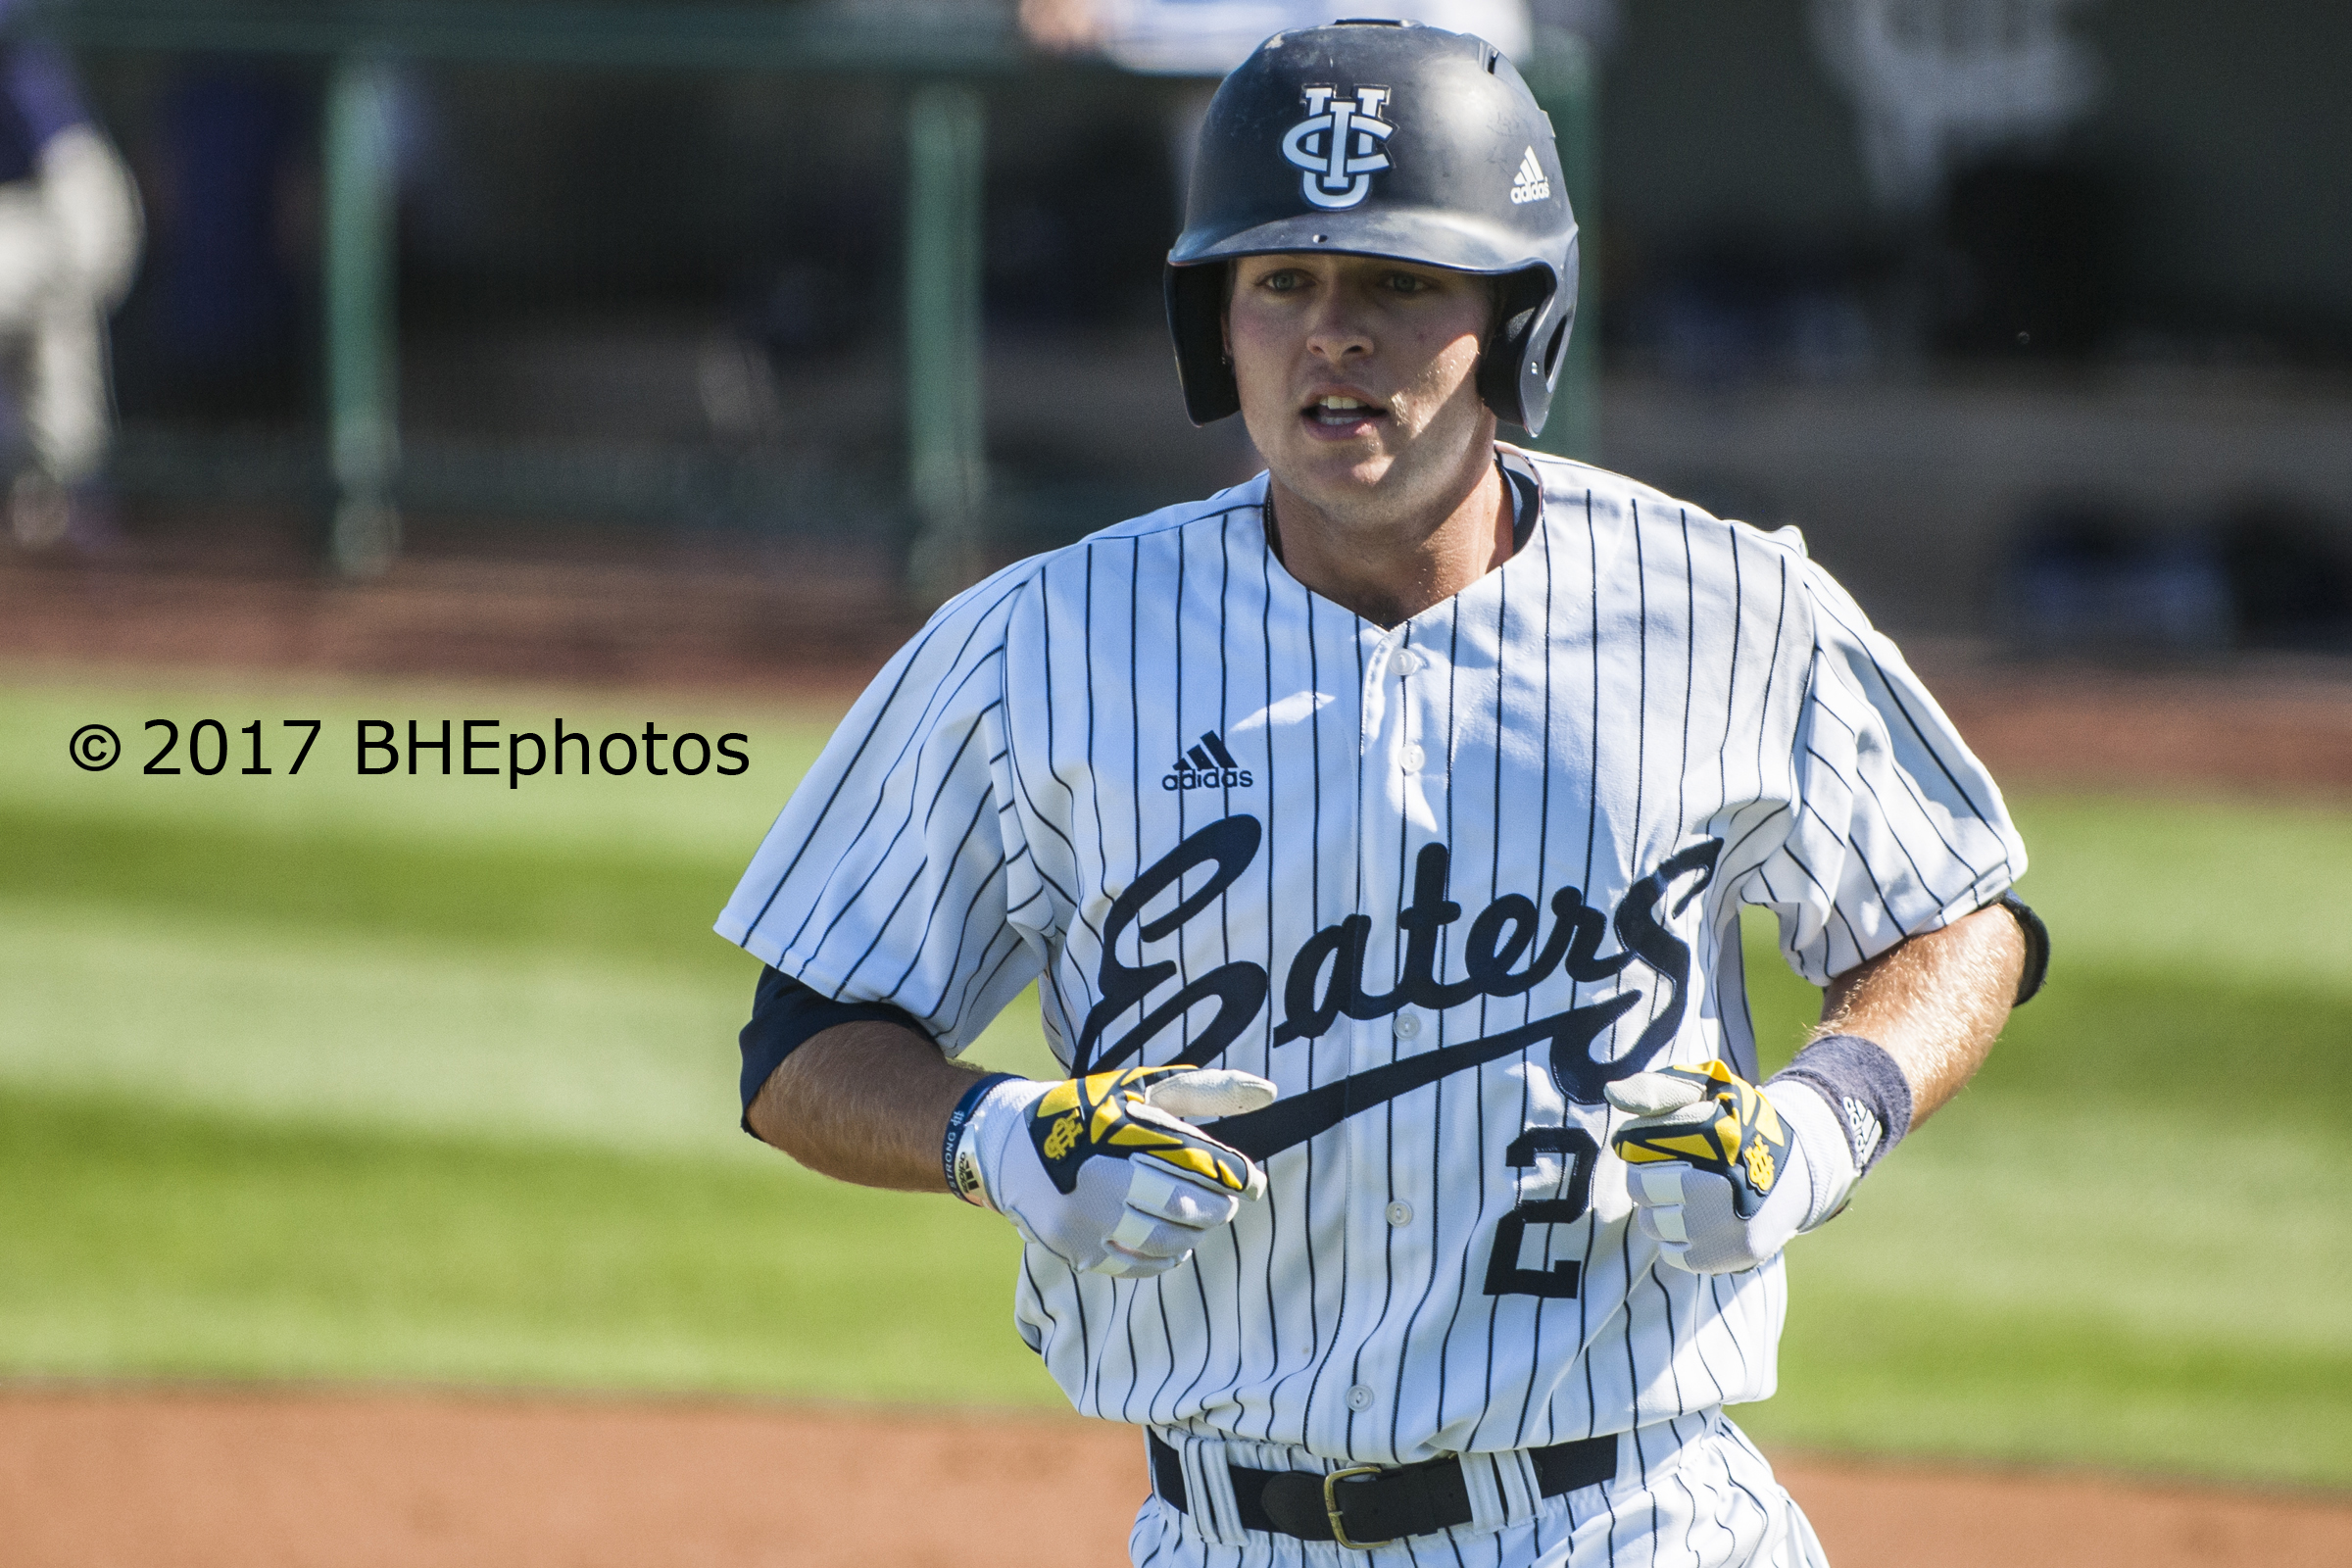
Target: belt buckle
(1330,1507)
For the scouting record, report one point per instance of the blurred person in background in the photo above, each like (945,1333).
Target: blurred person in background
(1206,38)
(1210,37)
(68,240)
(223,320)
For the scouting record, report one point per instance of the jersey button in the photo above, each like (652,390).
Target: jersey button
(1400,1212)
(1360,1398)
(1407,661)
(1411,758)
(1408,1025)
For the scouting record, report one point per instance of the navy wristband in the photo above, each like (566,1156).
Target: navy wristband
(956,1118)
(1868,1092)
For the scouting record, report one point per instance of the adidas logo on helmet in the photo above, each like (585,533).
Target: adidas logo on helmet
(1207,766)
(1529,184)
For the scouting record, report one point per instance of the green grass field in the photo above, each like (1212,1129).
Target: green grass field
(426,1079)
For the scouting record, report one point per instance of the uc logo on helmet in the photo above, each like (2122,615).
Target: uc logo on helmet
(1339,145)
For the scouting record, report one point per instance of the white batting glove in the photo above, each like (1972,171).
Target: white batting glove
(1722,1176)
(1102,1173)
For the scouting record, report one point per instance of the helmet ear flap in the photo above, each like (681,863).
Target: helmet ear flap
(1196,301)
(1517,374)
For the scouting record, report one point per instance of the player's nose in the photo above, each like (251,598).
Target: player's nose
(1337,329)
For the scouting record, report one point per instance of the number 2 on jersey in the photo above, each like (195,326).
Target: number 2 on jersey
(1504,1275)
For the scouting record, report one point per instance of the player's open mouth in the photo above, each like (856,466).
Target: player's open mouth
(1341,414)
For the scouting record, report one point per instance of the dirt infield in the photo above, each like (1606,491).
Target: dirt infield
(247,1480)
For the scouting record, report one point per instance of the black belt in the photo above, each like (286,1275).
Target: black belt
(1367,1505)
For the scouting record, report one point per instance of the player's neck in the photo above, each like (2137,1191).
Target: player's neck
(1388,568)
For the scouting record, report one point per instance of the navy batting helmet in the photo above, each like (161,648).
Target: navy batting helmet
(1380,138)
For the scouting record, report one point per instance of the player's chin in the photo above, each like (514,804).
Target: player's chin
(1337,470)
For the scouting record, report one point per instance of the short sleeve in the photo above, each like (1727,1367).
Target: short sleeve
(896,872)
(1896,827)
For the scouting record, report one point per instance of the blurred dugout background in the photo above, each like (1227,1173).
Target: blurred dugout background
(2034,314)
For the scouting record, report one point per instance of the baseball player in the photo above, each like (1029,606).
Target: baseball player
(1376,832)
(70,229)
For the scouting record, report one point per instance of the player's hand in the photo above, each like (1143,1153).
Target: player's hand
(1722,1175)
(1103,1172)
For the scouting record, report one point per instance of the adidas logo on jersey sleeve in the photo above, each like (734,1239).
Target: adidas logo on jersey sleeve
(1530,183)
(1207,766)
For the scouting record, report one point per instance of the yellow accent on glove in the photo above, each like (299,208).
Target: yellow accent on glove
(1111,1113)
(1709,1118)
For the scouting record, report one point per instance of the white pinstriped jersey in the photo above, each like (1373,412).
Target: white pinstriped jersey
(1439,882)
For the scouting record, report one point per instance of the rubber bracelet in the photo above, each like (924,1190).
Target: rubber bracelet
(956,1119)
(1863,1085)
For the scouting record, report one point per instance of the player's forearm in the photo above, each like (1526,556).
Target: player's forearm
(1936,1004)
(865,1103)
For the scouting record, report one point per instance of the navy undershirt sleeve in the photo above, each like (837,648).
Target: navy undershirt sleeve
(784,1015)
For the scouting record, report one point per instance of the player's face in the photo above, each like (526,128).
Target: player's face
(1358,376)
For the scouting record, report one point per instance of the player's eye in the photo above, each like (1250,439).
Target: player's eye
(1408,284)
(1284,282)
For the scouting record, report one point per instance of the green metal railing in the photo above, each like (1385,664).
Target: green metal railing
(360,39)
(945,437)
(363,375)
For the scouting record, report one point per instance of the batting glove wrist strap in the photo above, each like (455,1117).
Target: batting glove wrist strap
(1823,1149)
(1863,1085)
(961,1167)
